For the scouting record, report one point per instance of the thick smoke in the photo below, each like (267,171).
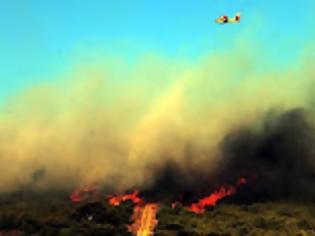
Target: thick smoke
(183,125)
(278,156)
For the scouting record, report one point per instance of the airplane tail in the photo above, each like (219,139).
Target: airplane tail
(238,17)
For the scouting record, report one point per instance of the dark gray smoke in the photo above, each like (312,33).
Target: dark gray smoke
(276,156)
(174,183)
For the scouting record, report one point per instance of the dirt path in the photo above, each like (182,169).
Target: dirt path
(147,220)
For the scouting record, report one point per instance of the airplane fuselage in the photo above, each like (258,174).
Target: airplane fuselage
(225,19)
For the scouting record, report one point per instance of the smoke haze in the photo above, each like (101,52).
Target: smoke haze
(159,121)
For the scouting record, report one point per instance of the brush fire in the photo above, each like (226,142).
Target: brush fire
(208,151)
(144,214)
(264,184)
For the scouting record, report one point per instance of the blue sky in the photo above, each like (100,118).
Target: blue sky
(39,39)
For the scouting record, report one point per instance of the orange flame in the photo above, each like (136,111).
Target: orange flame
(144,217)
(83,194)
(116,200)
(213,198)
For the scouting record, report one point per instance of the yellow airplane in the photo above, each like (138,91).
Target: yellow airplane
(225,19)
